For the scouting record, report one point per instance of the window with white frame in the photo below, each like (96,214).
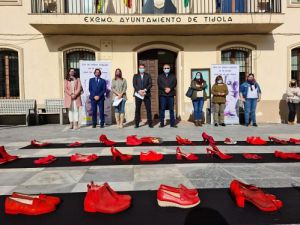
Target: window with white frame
(10,2)
(293,3)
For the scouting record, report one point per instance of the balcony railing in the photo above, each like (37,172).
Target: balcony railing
(154,6)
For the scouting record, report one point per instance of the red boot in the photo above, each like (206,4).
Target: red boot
(7,157)
(104,140)
(133,140)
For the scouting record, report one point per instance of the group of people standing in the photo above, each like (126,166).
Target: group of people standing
(250,95)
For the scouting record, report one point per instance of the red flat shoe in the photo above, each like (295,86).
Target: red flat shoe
(133,140)
(83,158)
(229,141)
(284,155)
(7,157)
(251,156)
(47,198)
(30,207)
(254,195)
(45,160)
(75,144)
(207,138)
(217,152)
(188,156)
(188,191)
(256,141)
(118,155)
(104,140)
(278,141)
(167,198)
(183,141)
(36,143)
(151,156)
(295,141)
(104,200)
(151,140)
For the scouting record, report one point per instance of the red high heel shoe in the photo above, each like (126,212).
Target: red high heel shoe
(250,193)
(207,138)
(295,141)
(75,144)
(284,155)
(278,141)
(251,156)
(151,140)
(188,156)
(256,141)
(151,156)
(83,158)
(104,140)
(133,140)
(217,152)
(117,154)
(45,160)
(36,143)
(183,141)
(7,157)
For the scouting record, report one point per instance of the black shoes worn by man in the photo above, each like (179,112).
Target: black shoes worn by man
(142,84)
(167,83)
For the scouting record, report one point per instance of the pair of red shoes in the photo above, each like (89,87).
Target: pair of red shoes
(5,157)
(263,201)
(33,205)
(77,157)
(39,144)
(183,141)
(256,141)
(284,155)
(45,160)
(180,197)
(103,199)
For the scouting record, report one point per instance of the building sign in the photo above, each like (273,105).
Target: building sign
(86,72)
(158,20)
(230,74)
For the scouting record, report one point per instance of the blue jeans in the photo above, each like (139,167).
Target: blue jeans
(121,107)
(198,107)
(250,110)
(166,101)
(100,105)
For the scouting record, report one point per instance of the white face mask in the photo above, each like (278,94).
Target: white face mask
(167,70)
(198,77)
(219,81)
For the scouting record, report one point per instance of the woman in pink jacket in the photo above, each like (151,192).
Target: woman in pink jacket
(72,100)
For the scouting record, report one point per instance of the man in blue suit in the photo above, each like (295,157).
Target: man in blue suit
(97,88)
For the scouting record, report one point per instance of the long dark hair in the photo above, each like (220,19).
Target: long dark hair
(121,77)
(219,77)
(201,80)
(68,74)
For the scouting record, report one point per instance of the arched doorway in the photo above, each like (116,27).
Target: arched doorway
(9,73)
(154,59)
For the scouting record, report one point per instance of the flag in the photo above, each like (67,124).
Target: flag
(186,3)
(128,3)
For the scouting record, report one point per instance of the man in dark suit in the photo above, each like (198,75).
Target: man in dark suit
(142,84)
(97,88)
(167,83)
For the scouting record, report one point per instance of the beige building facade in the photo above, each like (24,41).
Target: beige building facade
(40,40)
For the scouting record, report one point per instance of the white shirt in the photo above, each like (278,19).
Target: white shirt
(252,93)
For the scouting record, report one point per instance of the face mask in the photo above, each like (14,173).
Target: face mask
(141,70)
(198,77)
(251,81)
(219,81)
(167,70)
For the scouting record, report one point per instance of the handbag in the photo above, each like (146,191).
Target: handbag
(189,92)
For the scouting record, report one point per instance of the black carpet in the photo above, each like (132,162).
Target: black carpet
(217,208)
(168,159)
(165,143)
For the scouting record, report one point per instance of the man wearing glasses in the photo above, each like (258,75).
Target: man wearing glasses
(167,83)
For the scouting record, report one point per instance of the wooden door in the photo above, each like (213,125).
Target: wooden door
(151,67)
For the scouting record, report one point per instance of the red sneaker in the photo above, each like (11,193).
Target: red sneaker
(31,207)
(49,199)
(75,144)
(83,158)
(168,198)
(7,157)
(45,160)
(183,141)
(104,140)
(151,156)
(133,140)
(251,156)
(36,143)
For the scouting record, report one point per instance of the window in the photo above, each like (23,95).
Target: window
(295,67)
(10,2)
(9,73)
(241,56)
(73,56)
(293,3)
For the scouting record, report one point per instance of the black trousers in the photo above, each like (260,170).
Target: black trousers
(138,104)
(292,111)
